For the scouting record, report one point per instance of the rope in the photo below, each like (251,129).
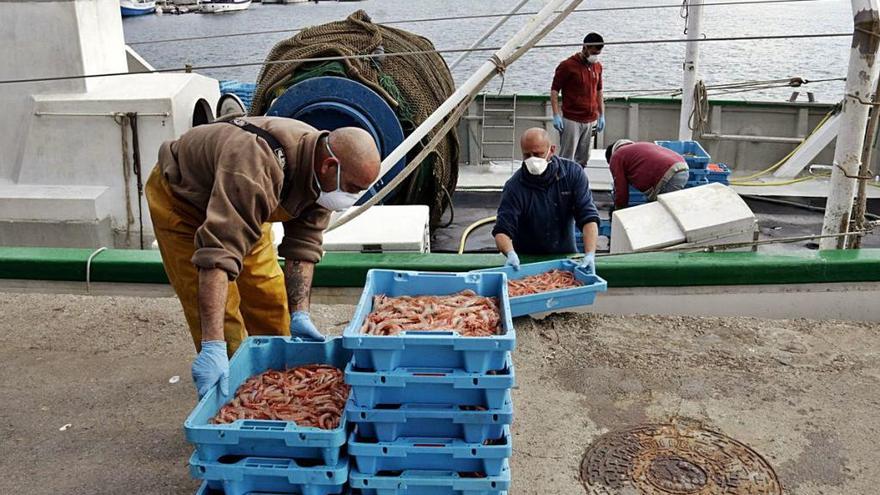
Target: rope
(414,86)
(432,51)
(124,121)
(460,18)
(699,117)
(771,168)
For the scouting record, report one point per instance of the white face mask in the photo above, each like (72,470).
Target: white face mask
(536,165)
(337,200)
(592,59)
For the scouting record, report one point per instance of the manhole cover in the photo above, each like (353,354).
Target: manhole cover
(677,459)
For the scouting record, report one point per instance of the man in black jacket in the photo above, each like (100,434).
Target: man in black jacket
(542,203)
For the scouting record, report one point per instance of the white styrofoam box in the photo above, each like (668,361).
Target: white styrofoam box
(710,211)
(402,228)
(643,227)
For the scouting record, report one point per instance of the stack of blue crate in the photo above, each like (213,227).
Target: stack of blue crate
(249,456)
(431,411)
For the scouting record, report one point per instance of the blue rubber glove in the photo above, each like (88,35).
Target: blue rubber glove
(512,260)
(557,123)
(589,262)
(600,124)
(211,367)
(301,326)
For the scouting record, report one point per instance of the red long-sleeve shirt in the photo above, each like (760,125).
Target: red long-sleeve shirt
(580,83)
(641,164)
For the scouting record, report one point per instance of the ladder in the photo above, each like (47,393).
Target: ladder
(500,134)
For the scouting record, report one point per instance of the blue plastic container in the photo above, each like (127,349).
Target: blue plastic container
(257,474)
(722,176)
(430,386)
(204,489)
(454,454)
(435,349)
(430,420)
(693,153)
(557,299)
(420,482)
(261,438)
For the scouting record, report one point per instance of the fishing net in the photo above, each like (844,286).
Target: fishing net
(414,86)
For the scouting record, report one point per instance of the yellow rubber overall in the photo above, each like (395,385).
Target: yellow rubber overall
(257,300)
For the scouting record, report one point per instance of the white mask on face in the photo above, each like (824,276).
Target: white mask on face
(536,165)
(337,200)
(592,59)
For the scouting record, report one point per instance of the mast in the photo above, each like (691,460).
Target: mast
(691,61)
(860,82)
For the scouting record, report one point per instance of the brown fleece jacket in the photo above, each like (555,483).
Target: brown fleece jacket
(233,176)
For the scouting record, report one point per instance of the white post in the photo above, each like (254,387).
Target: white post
(691,61)
(860,79)
(488,33)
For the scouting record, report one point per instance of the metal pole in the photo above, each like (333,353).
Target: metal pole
(488,33)
(864,169)
(847,154)
(691,61)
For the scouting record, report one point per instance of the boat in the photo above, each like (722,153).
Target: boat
(220,6)
(131,8)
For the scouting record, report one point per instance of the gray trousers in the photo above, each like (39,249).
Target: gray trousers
(675,183)
(576,141)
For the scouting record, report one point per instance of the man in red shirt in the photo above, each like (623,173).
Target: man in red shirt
(648,167)
(579,77)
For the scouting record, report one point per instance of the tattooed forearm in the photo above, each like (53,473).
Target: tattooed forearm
(298,278)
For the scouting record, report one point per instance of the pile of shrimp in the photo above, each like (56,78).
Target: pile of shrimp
(544,282)
(312,395)
(466,312)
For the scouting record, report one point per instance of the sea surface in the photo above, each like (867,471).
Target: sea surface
(629,68)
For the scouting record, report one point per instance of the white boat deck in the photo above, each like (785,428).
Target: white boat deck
(493,177)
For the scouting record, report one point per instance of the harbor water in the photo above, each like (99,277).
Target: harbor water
(629,68)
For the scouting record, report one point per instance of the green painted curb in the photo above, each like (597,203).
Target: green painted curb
(349,269)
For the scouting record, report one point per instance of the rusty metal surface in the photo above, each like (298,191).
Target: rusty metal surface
(677,459)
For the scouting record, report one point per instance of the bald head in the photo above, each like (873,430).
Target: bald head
(355,151)
(536,142)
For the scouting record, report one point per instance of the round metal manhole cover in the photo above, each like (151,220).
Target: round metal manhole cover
(675,459)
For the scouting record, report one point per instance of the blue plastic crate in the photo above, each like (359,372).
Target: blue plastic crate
(244,91)
(421,482)
(242,475)
(204,489)
(430,386)
(430,420)
(262,438)
(557,299)
(721,176)
(434,349)
(693,153)
(370,456)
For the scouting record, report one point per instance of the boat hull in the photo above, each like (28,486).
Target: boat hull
(220,7)
(136,11)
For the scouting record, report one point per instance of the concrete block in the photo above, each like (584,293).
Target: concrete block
(53,203)
(644,227)
(92,234)
(708,212)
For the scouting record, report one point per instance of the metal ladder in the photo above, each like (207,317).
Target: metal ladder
(495,114)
